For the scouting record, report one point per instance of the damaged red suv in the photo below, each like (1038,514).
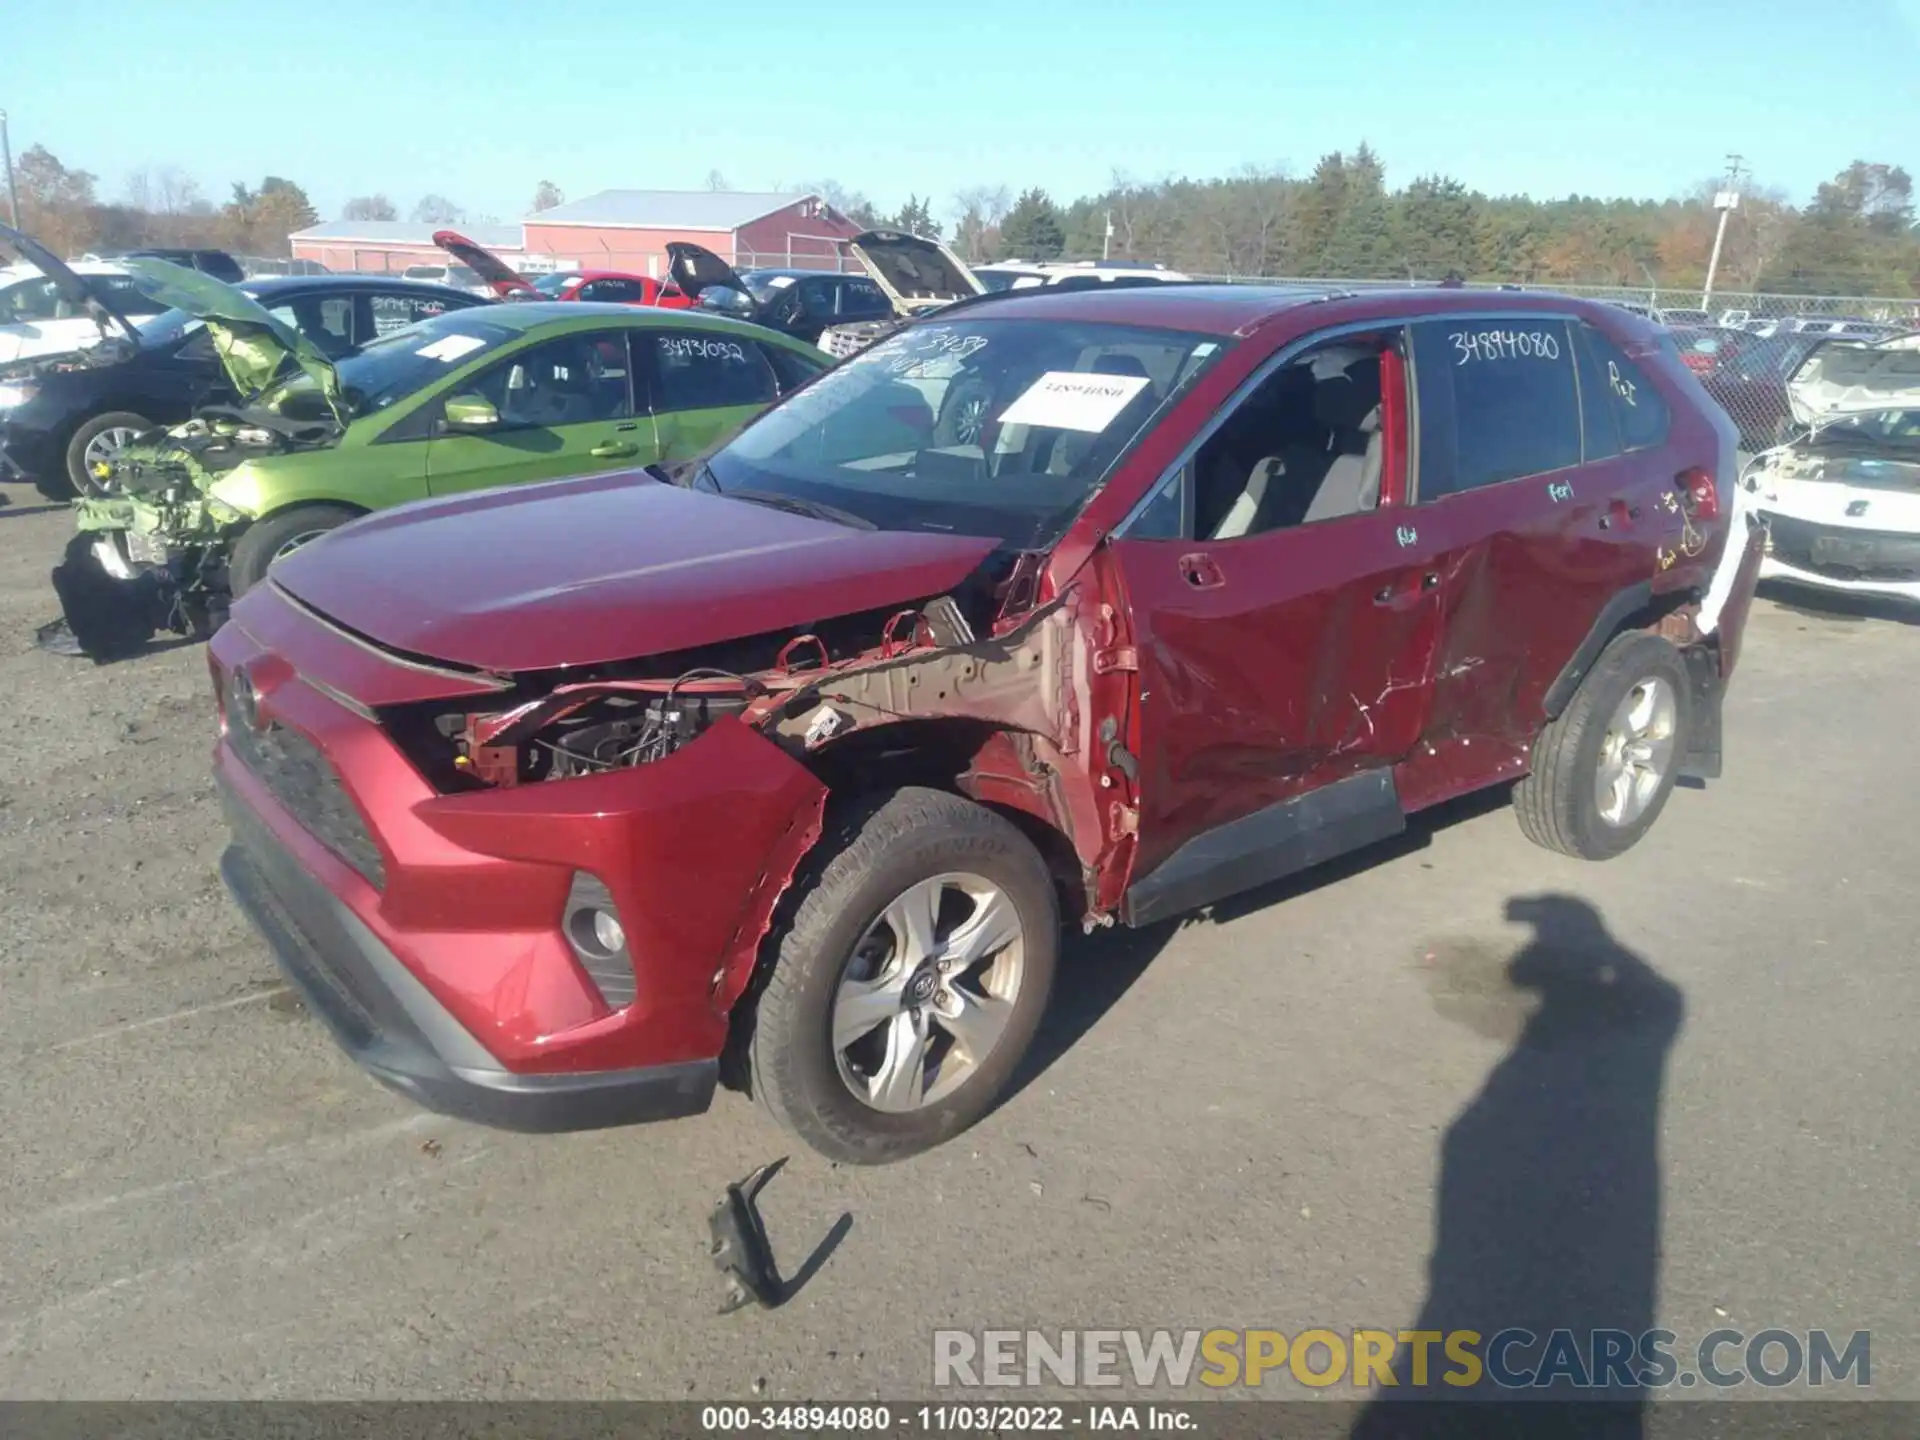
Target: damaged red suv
(1091,607)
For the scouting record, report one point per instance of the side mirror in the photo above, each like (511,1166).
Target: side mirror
(471,413)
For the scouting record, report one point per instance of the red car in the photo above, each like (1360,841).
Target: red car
(614,287)
(1087,607)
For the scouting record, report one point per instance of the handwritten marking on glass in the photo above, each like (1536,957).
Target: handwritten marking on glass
(1620,385)
(1559,492)
(1471,345)
(686,347)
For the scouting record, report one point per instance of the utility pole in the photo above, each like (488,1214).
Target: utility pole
(1726,201)
(6,153)
(1106,244)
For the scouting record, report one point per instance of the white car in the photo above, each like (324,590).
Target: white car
(35,320)
(1842,500)
(1028,274)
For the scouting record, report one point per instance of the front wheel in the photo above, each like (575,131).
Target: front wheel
(265,541)
(910,982)
(97,442)
(1603,769)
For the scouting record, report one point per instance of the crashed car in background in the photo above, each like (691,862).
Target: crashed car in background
(555,801)
(916,275)
(610,287)
(1842,498)
(483,396)
(63,418)
(52,310)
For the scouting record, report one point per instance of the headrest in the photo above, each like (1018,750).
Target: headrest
(1345,402)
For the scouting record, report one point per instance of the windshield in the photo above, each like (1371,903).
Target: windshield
(979,426)
(553,284)
(1896,431)
(396,364)
(462,275)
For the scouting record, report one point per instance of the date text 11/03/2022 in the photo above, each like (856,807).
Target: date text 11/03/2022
(990,1419)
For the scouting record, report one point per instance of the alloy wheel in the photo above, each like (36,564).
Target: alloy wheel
(1637,752)
(928,992)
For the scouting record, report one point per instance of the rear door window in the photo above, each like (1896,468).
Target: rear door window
(1498,400)
(395,312)
(1638,410)
(863,300)
(697,370)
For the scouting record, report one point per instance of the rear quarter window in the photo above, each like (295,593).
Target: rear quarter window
(1638,410)
(1498,400)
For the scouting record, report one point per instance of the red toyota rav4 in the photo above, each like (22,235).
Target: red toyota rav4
(1095,606)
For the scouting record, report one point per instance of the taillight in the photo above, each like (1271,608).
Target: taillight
(1699,494)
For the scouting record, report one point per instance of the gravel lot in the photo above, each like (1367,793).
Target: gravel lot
(1255,1119)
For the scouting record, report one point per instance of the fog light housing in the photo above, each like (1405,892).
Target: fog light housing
(592,925)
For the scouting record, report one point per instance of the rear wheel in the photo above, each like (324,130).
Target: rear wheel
(97,441)
(267,540)
(1602,770)
(910,982)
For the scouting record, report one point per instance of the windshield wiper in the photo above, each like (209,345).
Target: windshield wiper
(794,505)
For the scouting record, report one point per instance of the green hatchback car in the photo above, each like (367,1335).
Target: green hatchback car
(493,395)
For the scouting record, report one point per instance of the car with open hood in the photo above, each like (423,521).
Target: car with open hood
(63,417)
(51,310)
(915,274)
(477,397)
(556,802)
(1841,496)
(604,287)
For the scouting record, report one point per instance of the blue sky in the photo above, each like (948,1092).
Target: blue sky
(481,99)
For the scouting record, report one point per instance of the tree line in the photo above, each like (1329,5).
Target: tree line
(1856,236)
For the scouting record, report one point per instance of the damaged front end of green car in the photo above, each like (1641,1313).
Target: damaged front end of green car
(150,556)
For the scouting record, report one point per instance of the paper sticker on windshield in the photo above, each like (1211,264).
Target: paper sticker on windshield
(779,282)
(1071,400)
(451,347)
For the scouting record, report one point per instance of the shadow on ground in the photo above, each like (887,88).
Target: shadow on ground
(1097,970)
(1843,605)
(1546,1237)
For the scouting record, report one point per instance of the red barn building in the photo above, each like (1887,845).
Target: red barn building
(613,230)
(630,229)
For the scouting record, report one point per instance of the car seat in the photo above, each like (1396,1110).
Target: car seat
(1350,409)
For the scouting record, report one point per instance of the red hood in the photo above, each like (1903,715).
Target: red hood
(609,567)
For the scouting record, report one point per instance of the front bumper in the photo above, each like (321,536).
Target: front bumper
(1842,557)
(439,914)
(397,1032)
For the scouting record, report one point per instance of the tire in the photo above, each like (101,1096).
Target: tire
(1558,804)
(964,412)
(78,475)
(267,539)
(905,845)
